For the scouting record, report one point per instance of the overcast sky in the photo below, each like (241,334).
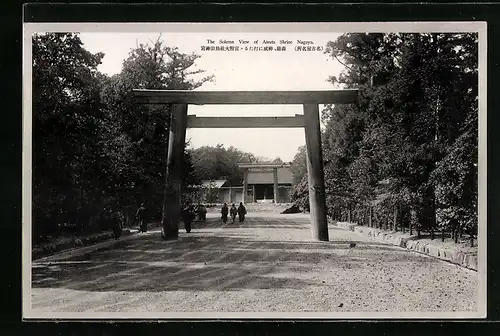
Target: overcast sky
(243,70)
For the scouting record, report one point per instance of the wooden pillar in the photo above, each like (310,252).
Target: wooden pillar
(230,194)
(253,193)
(275,181)
(245,185)
(315,173)
(173,180)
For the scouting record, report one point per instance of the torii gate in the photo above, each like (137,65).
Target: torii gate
(179,99)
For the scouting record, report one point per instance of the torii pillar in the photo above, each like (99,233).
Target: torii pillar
(315,173)
(275,184)
(245,185)
(175,161)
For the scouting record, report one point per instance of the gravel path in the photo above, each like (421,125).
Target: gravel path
(267,264)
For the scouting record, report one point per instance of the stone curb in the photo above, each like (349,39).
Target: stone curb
(83,250)
(411,243)
(79,251)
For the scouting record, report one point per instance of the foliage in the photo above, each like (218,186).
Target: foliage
(218,162)
(96,151)
(300,194)
(411,141)
(66,116)
(211,193)
(298,165)
(144,129)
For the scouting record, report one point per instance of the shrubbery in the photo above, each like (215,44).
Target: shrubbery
(407,153)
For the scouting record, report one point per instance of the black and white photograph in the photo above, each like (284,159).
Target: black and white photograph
(254,170)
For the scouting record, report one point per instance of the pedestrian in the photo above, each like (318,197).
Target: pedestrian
(242,211)
(140,215)
(233,211)
(117,227)
(188,216)
(202,212)
(224,211)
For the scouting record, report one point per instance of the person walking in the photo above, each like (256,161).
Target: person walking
(242,211)
(233,211)
(202,212)
(140,215)
(224,211)
(188,216)
(117,227)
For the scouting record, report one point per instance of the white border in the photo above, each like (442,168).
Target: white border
(337,27)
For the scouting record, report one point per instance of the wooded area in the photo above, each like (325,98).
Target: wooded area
(406,157)
(97,155)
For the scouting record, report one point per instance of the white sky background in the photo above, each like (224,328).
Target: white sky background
(243,70)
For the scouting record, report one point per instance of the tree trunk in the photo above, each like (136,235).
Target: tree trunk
(395,219)
(433,221)
(411,226)
(403,222)
(370,216)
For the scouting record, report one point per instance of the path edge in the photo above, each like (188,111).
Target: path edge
(79,251)
(411,243)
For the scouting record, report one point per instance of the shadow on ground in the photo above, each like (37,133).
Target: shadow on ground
(215,261)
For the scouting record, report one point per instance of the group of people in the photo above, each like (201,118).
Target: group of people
(241,211)
(141,218)
(189,213)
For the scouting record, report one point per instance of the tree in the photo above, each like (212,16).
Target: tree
(298,165)
(144,129)
(213,163)
(419,91)
(211,193)
(95,150)
(277,160)
(67,114)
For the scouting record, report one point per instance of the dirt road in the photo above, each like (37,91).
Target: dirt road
(267,264)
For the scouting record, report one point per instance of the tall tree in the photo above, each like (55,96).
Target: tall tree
(66,120)
(143,129)
(418,101)
(95,149)
(298,165)
(218,162)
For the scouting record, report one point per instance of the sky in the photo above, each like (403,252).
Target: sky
(241,70)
